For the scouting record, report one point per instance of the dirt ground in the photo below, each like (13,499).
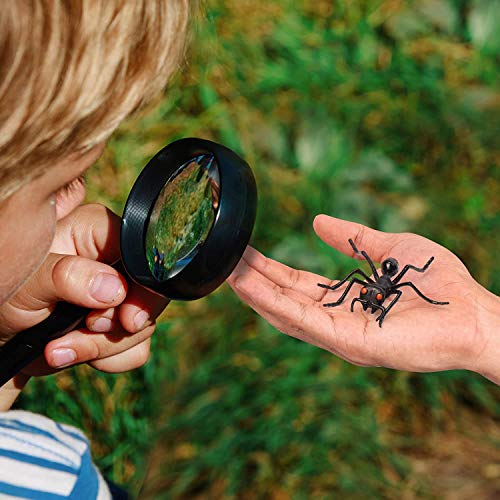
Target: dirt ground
(462,463)
(459,465)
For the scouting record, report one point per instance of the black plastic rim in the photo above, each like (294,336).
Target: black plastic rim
(230,233)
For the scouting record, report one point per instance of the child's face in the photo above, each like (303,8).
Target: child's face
(28,218)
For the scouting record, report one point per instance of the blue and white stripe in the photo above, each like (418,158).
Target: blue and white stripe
(41,459)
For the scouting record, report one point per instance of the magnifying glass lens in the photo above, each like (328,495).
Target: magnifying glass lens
(182,216)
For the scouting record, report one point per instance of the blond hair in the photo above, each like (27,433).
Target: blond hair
(72,70)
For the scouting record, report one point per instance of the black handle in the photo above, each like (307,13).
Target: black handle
(27,345)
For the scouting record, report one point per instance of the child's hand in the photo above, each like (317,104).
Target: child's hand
(415,336)
(119,328)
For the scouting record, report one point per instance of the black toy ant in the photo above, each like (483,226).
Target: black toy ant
(374,292)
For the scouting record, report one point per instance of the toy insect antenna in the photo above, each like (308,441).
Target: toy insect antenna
(354,247)
(366,256)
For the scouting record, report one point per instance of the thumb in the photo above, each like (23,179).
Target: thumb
(337,232)
(68,278)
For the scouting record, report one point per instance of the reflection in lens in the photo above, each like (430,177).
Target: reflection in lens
(182,216)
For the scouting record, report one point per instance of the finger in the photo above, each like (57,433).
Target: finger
(102,321)
(284,276)
(242,288)
(276,322)
(140,308)
(243,268)
(130,359)
(93,231)
(309,317)
(73,279)
(336,233)
(279,321)
(81,346)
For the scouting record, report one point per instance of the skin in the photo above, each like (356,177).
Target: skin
(59,250)
(415,336)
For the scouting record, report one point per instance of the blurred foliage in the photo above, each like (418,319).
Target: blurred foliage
(385,112)
(181,218)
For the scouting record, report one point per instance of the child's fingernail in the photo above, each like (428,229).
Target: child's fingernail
(63,357)
(106,287)
(101,325)
(140,319)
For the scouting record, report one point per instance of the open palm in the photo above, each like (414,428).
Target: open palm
(415,335)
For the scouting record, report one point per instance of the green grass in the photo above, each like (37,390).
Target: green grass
(381,112)
(181,218)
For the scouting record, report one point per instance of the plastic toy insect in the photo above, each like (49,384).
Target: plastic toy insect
(375,291)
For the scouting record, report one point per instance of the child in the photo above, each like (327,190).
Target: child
(72,71)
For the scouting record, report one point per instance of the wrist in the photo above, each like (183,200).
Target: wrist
(487,362)
(11,390)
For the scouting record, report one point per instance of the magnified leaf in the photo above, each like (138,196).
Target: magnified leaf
(484,23)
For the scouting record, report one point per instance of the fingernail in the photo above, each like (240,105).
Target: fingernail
(106,287)
(101,325)
(63,357)
(140,319)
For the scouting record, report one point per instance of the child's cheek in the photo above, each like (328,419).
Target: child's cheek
(24,245)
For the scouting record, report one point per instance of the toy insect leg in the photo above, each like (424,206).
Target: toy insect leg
(366,256)
(389,307)
(408,283)
(340,283)
(397,279)
(346,291)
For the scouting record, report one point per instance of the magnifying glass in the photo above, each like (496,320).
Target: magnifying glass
(185,226)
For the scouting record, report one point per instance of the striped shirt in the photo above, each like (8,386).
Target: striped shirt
(41,459)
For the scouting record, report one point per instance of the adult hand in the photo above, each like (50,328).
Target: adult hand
(415,335)
(118,330)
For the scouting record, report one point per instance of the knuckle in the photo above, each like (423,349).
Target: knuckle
(64,271)
(265,262)
(71,274)
(87,351)
(95,351)
(91,209)
(294,278)
(359,239)
(85,213)
(104,212)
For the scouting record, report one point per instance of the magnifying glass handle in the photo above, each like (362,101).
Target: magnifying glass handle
(29,344)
